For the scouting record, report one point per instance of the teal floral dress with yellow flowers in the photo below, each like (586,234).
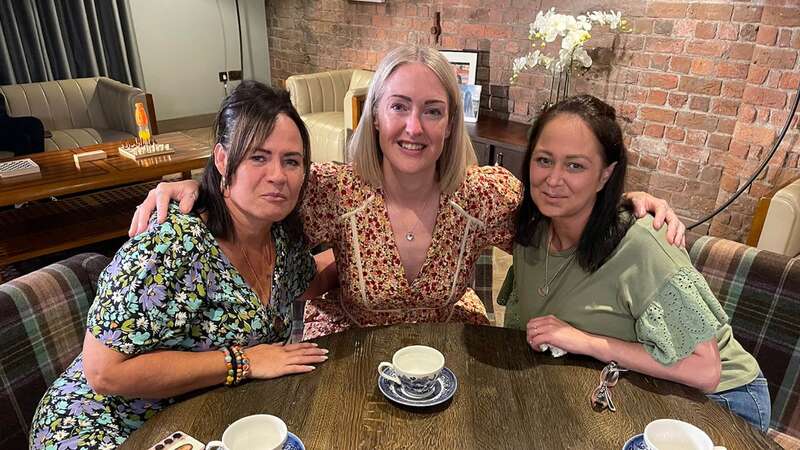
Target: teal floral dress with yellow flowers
(170,288)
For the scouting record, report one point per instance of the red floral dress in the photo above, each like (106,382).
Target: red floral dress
(341,210)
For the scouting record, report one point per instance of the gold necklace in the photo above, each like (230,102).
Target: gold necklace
(544,290)
(410,234)
(259,285)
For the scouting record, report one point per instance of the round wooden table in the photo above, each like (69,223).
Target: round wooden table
(508,397)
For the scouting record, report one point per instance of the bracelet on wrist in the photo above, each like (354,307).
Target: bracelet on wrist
(230,366)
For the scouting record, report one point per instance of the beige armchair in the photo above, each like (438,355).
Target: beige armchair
(78,112)
(325,102)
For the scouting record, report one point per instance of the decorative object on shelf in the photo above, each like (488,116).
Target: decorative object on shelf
(574,33)
(465,65)
(471,98)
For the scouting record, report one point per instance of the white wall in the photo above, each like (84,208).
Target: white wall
(184,44)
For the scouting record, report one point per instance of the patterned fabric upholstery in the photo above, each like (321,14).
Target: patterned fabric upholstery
(482,281)
(760,291)
(42,320)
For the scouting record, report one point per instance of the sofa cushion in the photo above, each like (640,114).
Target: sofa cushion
(81,137)
(78,112)
(328,136)
(760,292)
(361,79)
(42,325)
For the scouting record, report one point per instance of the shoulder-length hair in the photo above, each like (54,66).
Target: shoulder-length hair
(457,153)
(606,227)
(245,120)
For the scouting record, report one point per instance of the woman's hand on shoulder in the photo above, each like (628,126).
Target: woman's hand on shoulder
(183,191)
(553,331)
(643,203)
(277,360)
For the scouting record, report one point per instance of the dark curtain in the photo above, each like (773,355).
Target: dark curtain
(43,40)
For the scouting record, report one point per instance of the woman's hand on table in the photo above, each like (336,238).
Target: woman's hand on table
(643,203)
(158,199)
(277,360)
(555,332)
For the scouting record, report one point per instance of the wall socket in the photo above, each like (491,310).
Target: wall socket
(231,75)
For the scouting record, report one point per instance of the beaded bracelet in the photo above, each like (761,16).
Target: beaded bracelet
(242,364)
(230,364)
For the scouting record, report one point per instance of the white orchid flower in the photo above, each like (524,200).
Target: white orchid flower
(573,31)
(582,56)
(520,64)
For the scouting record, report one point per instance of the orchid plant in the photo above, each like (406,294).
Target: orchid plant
(574,33)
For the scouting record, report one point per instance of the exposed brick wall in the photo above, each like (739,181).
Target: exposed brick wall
(702,88)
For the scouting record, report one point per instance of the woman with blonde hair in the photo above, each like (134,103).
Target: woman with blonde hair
(408,218)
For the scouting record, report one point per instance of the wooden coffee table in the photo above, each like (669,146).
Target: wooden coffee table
(110,188)
(508,397)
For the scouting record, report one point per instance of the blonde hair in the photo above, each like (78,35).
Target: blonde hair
(457,152)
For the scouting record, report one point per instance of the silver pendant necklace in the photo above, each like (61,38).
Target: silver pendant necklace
(410,233)
(544,290)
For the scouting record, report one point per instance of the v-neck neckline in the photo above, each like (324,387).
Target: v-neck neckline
(252,292)
(396,249)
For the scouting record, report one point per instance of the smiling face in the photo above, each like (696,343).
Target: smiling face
(267,183)
(567,169)
(412,119)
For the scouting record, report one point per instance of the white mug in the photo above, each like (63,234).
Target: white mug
(671,434)
(415,368)
(256,432)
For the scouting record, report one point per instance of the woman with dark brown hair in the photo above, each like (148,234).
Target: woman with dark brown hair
(202,299)
(589,278)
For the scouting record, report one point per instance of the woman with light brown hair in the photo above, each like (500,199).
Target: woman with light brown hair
(408,218)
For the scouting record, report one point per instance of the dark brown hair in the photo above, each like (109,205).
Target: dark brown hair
(606,227)
(245,120)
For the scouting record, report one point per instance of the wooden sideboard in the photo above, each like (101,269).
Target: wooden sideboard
(500,142)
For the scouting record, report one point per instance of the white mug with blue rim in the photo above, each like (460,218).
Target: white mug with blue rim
(256,432)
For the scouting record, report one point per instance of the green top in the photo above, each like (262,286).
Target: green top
(647,292)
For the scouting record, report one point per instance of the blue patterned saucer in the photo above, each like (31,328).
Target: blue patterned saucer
(443,390)
(636,443)
(293,443)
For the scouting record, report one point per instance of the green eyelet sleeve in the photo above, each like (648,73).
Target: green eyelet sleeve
(682,314)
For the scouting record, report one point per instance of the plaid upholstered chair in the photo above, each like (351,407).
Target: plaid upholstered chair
(42,324)
(760,291)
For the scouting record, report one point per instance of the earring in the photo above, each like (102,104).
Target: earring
(222,184)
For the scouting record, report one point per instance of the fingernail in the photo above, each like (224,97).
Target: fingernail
(325,351)
(324,358)
(315,344)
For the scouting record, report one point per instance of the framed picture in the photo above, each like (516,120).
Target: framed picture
(465,65)
(471,97)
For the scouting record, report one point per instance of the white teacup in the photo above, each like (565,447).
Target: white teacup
(671,434)
(256,432)
(415,368)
